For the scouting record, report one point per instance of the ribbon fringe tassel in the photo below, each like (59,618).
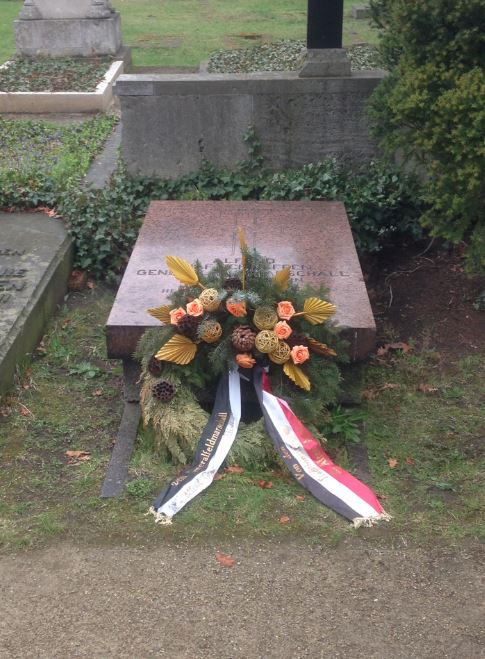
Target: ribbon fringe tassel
(357,522)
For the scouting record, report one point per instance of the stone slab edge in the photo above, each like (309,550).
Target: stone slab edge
(267,82)
(42,102)
(104,165)
(48,294)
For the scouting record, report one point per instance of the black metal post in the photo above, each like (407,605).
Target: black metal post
(324,24)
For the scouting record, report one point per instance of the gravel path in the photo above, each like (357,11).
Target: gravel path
(279,600)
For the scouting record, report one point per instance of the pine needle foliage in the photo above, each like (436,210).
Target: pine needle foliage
(177,424)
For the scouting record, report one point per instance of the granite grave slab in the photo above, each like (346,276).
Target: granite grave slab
(313,237)
(35,262)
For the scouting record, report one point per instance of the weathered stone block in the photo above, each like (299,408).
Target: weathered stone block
(325,63)
(172,123)
(360,12)
(35,262)
(68,37)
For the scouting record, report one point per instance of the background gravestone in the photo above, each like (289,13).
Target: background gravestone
(35,262)
(64,28)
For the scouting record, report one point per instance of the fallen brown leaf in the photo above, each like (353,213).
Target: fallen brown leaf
(226,560)
(299,497)
(264,485)
(234,469)
(410,461)
(392,462)
(427,389)
(47,211)
(371,394)
(284,519)
(98,392)
(78,456)
(24,411)
(387,347)
(219,476)
(381,496)
(78,280)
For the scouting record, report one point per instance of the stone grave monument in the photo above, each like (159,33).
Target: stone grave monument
(63,28)
(35,262)
(324,54)
(313,237)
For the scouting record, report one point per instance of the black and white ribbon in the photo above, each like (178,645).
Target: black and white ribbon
(215,442)
(302,453)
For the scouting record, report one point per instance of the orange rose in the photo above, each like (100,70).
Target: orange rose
(244,360)
(237,309)
(299,354)
(285,310)
(282,330)
(176,315)
(195,308)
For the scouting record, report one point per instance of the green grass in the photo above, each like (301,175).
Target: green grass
(185,32)
(44,159)
(435,492)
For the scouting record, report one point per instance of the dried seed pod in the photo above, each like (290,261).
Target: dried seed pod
(163,391)
(232,284)
(243,338)
(188,326)
(155,367)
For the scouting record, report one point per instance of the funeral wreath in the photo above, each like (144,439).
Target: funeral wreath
(252,331)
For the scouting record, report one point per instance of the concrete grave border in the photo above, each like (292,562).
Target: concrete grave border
(45,102)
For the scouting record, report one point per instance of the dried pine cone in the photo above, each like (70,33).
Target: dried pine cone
(163,391)
(297,340)
(232,284)
(188,325)
(155,367)
(243,338)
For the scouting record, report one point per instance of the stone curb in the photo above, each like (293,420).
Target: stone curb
(59,102)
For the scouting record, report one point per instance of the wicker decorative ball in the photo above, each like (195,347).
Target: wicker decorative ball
(210,299)
(211,331)
(155,367)
(163,391)
(232,284)
(266,341)
(243,338)
(281,354)
(265,318)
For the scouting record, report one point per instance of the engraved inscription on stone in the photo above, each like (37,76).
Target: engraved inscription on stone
(300,272)
(13,274)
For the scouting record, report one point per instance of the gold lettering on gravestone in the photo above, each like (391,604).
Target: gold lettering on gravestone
(13,278)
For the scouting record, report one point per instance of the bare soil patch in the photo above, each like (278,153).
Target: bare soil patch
(427,298)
